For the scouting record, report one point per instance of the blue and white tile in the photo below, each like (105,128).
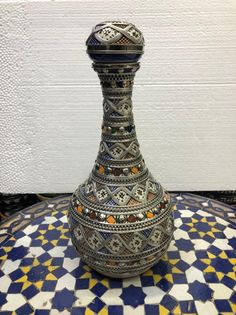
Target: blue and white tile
(207,308)
(84,297)
(179,292)
(193,274)
(42,300)
(112,297)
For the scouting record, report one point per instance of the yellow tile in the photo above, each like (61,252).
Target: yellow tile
(25,269)
(39,284)
(220,275)
(209,269)
(54,242)
(201,233)
(92,283)
(52,268)
(176,270)
(223,255)
(22,279)
(88,311)
(232,261)
(177,311)
(232,275)
(210,255)
(169,277)
(104,311)
(105,282)
(50,276)
(48,262)
(233,307)
(211,234)
(173,261)
(157,278)
(206,261)
(214,229)
(42,231)
(86,275)
(26,285)
(163,310)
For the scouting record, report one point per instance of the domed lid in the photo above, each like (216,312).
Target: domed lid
(121,40)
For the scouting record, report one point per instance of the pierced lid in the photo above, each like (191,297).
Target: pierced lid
(115,41)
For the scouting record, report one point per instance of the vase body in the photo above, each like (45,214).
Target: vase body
(120,218)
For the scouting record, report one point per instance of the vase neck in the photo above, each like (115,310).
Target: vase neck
(119,149)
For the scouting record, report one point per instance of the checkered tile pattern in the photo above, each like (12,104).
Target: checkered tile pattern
(41,274)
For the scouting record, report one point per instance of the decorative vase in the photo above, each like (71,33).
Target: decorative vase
(120,218)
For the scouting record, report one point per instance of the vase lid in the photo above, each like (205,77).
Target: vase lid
(115,41)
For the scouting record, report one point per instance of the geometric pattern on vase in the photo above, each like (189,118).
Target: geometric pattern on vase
(120,196)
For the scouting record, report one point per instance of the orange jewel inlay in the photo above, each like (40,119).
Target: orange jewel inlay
(101,169)
(150,215)
(134,170)
(111,219)
(80,208)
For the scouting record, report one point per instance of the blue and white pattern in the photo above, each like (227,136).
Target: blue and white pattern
(41,274)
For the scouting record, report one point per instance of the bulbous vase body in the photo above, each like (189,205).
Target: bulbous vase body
(120,218)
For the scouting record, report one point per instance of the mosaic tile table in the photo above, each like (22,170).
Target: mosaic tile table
(41,274)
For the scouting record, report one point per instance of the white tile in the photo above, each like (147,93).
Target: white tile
(186,213)
(179,198)
(204,213)
(222,244)
(57,251)
(56,312)
(229,233)
(5,282)
(50,220)
(71,264)
(221,292)
(10,266)
(172,246)
(31,229)
(134,280)
(3,231)
(63,219)
(112,297)
(178,233)
(84,297)
(221,221)
(207,308)
(200,244)
(42,300)
(193,274)
(129,310)
(188,257)
(154,294)
(23,241)
(205,204)
(66,281)
(179,291)
(35,252)
(178,222)
(14,301)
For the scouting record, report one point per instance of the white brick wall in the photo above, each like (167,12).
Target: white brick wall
(184,95)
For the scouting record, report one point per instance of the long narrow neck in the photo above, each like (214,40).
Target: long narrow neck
(119,153)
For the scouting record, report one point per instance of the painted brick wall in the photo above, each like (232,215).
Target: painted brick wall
(184,96)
